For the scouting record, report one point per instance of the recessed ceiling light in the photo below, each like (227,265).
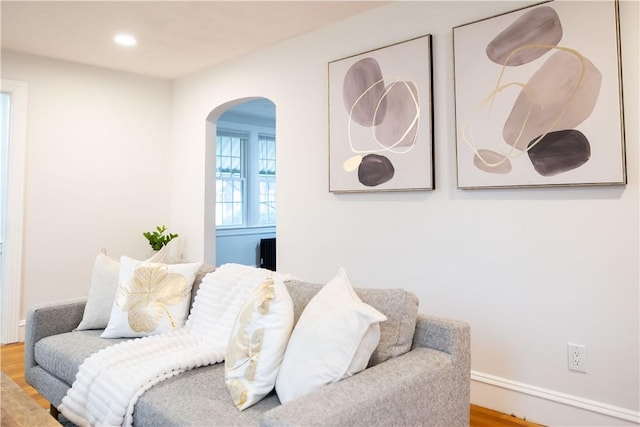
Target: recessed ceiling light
(125,39)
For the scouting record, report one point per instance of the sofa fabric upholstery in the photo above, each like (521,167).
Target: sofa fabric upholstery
(194,396)
(419,374)
(64,353)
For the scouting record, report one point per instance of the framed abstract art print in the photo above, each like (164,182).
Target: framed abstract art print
(381,119)
(538,97)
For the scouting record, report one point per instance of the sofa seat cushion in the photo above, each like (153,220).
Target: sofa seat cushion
(198,397)
(399,305)
(61,355)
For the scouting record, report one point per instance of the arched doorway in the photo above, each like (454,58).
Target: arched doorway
(240,181)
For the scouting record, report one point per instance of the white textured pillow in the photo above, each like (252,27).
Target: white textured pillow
(333,339)
(152,298)
(102,292)
(103,288)
(258,341)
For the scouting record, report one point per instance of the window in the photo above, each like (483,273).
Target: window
(245,178)
(267,179)
(230,178)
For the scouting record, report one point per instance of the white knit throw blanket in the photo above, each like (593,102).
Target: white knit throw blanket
(109,382)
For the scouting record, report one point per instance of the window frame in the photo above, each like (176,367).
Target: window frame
(245,139)
(251,202)
(268,178)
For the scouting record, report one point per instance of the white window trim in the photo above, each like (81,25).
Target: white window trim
(14,227)
(245,231)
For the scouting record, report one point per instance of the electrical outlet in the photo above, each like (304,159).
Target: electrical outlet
(577,357)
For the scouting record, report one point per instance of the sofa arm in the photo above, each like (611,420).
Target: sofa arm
(52,319)
(451,336)
(418,388)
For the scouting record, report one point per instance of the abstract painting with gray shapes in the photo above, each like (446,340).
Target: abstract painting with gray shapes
(380,119)
(532,106)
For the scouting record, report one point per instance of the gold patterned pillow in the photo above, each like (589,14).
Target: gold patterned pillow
(152,298)
(258,341)
(103,288)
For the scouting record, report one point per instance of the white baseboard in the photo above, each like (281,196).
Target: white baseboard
(546,406)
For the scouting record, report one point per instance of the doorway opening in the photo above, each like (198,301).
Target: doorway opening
(240,199)
(12,181)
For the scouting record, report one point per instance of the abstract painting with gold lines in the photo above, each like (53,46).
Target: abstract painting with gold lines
(538,98)
(380,119)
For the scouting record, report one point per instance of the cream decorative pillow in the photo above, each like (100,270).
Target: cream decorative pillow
(102,292)
(152,298)
(258,341)
(333,339)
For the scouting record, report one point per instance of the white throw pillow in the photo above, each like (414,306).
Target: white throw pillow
(333,339)
(152,298)
(258,341)
(102,292)
(103,288)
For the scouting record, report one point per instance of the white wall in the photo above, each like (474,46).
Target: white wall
(529,269)
(97,170)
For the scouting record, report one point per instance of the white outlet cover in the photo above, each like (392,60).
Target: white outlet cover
(577,357)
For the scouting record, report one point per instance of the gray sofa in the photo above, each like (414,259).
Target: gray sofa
(419,375)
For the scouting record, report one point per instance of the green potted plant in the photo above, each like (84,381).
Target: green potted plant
(159,238)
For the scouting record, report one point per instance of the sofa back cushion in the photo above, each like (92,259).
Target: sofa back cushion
(400,307)
(203,271)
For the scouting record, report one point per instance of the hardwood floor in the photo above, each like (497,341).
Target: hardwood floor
(12,361)
(484,417)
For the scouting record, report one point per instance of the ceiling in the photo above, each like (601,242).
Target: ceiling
(175,38)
